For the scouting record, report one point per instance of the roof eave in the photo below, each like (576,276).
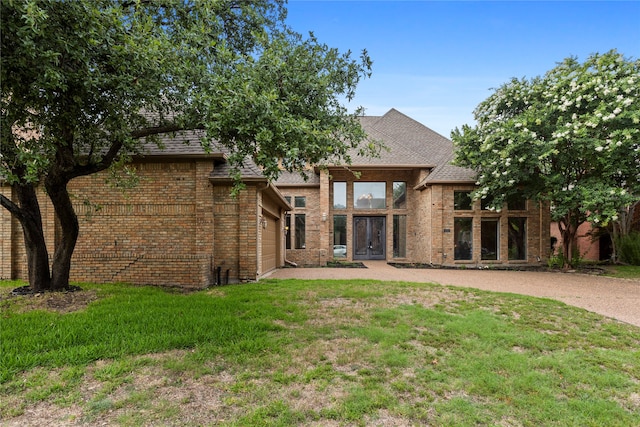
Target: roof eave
(384,166)
(172,156)
(425,184)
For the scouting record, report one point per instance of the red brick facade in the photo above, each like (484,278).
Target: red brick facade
(429,214)
(175,228)
(181,226)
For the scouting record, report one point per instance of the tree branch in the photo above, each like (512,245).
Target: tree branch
(11,207)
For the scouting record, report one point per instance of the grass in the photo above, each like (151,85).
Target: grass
(296,352)
(624,271)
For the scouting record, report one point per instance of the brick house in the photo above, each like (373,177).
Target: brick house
(180,225)
(408,205)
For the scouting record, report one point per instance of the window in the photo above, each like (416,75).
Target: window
(399,236)
(287,231)
(399,195)
(369,195)
(300,202)
(463,234)
(339,195)
(516,202)
(485,203)
(339,236)
(490,238)
(300,231)
(288,199)
(517,238)
(462,201)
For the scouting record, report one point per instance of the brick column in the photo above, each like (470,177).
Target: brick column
(326,246)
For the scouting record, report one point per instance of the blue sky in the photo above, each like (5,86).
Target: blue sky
(436,61)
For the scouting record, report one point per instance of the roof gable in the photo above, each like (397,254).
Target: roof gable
(408,142)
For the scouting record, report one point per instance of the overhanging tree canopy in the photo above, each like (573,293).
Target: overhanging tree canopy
(570,138)
(86,82)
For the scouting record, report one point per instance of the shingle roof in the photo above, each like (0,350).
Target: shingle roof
(448,173)
(291,178)
(409,143)
(184,143)
(249,170)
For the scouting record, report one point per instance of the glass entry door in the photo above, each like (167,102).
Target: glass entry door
(369,237)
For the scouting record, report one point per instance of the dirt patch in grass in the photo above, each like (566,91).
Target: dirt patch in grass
(61,302)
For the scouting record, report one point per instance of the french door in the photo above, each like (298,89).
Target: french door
(369,237)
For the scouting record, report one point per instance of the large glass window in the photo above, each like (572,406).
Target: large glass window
(287,231)
(399,236)
(485,204)
(399,195)
(462,201)
(300,202)
(516,202)
(463,234)
(301,223)
(490,238)
(369,195)
(518,238)
(339,236)
(339,195)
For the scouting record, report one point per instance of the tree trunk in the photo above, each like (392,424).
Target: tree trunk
(30,218)
(568,232)
(69,226)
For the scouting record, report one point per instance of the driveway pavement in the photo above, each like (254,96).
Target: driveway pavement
(615,298)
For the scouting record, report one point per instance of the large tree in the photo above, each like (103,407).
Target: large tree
(86,82)
(570,138)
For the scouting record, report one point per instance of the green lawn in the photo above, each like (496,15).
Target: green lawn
(624,271)
(319,353)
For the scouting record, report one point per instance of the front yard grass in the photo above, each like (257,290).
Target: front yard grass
(295,352)
(623,271)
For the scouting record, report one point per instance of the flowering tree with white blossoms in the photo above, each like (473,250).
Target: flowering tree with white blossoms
(570,138)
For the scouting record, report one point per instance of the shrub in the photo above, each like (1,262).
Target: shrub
(628,248)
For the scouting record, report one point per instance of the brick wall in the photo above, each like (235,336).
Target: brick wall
(443,214)
(159,232)
(156,233)
(430,221)
(236,231)
(319,213)
(313,253)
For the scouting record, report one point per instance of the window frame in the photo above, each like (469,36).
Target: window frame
(300,202)
(403,195)
(399,236)
(342,239)
(495,237)
(524,239)
(343,205)
(360,202)
(300,238)
(460,252)
(462,192)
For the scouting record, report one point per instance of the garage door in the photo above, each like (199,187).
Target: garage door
(269,244)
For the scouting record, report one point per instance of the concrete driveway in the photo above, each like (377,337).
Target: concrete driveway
(615,298)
